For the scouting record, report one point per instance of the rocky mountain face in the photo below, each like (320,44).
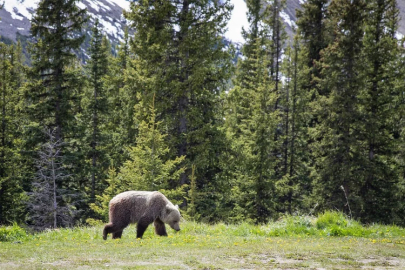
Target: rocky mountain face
(16,14)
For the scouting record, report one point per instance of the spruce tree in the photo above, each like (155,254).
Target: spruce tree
(314,36)
(336,148)
(11,162)
(50,205)
(181,59)
(55,26)
(277,36)
(294,186)
(96,107)
(252,122)
(119,126)
(148,167)
(52,93)
(379,112)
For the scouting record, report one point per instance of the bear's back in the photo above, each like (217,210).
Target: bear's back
(139,203)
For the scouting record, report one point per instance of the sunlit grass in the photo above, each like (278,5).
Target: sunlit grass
(328,241)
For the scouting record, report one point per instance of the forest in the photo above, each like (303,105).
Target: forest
(295,125)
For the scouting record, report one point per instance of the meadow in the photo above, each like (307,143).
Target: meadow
(329,241)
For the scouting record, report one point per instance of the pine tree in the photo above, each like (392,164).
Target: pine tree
(314,35)
(96,106)
(379,112)
(55,26)
(52,93)
(294,187)
(252,122)
(120,101)
(11,162)
(336,147)
(277,36)
(181,59)
(148,167)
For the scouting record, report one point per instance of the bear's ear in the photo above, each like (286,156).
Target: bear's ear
(177,207)
(168,209)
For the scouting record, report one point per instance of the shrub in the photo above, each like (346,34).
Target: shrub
(12,233)
(331,219)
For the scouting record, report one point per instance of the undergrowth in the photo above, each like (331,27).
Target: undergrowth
(12,233)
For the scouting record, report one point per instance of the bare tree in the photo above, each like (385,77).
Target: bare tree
(50,205)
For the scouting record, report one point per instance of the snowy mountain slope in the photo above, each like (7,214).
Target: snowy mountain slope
(16,14)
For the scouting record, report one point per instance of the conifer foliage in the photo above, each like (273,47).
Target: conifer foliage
(182,60)
(95,105)
(295,125)
(56,26)
(338,151)
(11,165)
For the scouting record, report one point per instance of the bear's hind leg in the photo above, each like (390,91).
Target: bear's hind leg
(160,228)
(107,230)
(114,229)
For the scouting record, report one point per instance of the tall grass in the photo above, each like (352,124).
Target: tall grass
(326,224)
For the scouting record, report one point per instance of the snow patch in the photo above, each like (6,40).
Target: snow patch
(105,7)
(108,27)
(287,19)
(93,4)
(399,36)
(20,8)
(81,5)
(237,21)
(303,2)
(121,3)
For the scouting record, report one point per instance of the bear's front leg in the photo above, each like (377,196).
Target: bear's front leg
(160,228)
(142,225)
(117,235)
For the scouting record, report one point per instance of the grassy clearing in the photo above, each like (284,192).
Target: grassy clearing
(330,242)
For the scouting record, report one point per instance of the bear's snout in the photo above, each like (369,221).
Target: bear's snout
(175,227)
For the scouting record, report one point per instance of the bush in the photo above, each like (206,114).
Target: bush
(331,219)
(12,233)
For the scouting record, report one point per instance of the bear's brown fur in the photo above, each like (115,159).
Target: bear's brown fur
(143,208)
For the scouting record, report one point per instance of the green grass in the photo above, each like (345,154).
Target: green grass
(330,241)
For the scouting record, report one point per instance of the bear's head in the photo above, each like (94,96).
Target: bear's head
(172,216)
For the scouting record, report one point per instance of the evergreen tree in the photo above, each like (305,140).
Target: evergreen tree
(336,147)
(96,106)
(180,58)
(119,122)
(252,122)
(294,187)
(314,36)
(52,93)
(379,112)
(277,36)
(148,167)
(55,26)
(11,162)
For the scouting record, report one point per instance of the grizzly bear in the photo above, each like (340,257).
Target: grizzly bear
(143,208)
